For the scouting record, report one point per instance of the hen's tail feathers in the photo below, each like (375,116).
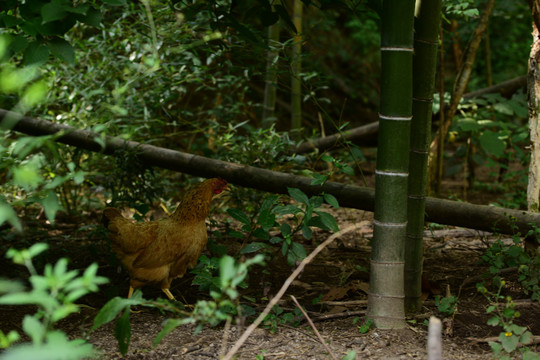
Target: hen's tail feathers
(110,214)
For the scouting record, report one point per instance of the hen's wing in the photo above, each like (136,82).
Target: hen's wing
(126,236)
(174,241)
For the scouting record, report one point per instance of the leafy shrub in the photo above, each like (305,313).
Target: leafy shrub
(54,293)
(305,215)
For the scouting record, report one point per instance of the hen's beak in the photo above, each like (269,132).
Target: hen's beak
(224,192)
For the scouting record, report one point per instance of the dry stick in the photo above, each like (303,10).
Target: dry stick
(313,327)
(339,315)
(434,344)
(283,289)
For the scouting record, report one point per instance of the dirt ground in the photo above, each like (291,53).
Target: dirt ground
(339,274)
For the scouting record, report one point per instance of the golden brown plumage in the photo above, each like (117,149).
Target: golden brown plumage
(160,251)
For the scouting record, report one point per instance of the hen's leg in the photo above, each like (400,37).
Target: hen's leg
(130,292)
(168,293)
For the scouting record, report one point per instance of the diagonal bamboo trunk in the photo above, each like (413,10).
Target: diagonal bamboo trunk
(386,291)
(481,217)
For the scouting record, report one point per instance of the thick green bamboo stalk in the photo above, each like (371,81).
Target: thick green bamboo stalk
(426,36)
(296,69)
(270,89)
(386,290)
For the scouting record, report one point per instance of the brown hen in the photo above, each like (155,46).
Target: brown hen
(156,252)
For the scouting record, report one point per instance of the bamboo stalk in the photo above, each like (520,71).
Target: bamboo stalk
(424,62)
(386,290)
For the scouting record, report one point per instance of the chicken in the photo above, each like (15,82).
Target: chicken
(156,252)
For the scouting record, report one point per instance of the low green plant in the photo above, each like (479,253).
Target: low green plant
(365,326)
(446,305)
(223,306)
(513,338)
(278,316)
(54,293)
(500,255)
(304,214)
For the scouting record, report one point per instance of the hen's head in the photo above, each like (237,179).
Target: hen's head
(218,185)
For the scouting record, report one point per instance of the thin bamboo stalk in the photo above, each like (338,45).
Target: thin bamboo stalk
(426,37)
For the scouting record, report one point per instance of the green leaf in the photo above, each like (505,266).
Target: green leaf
(111,309)
(115,2)
(253,247)
(51,205)
(34,328)
(331,200)
(52,11)
(168,326)
(287,209)
(227,270)
(261,234)
(62,50)
(494,321)
(318,179)
(526,338)
(298,195)
(37,249)
(8,214)
(491,143)
(239,215)
(509,343)
(268,202)
(306,232)
(351,355)
(529,355)
(122,331)
(468,124)
(92,18)
(27,176)
(286,229)
(34,94)
(267,220)
(328,221)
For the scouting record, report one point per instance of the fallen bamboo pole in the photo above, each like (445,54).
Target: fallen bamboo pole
(481,217)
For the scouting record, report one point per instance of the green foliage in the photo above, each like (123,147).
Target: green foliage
(54,293)
(460,8)
(492,132)
(365,326)
(305,215)
(278,316)
(222,306)
(446,305)
(503,310)
(39,27)
(500,255)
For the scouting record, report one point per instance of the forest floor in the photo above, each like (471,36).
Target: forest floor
(339,274)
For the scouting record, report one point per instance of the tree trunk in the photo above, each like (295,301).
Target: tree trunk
(426,37)
(481,217)
(533,94)
(270,89)
(386,289)
(296,69)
